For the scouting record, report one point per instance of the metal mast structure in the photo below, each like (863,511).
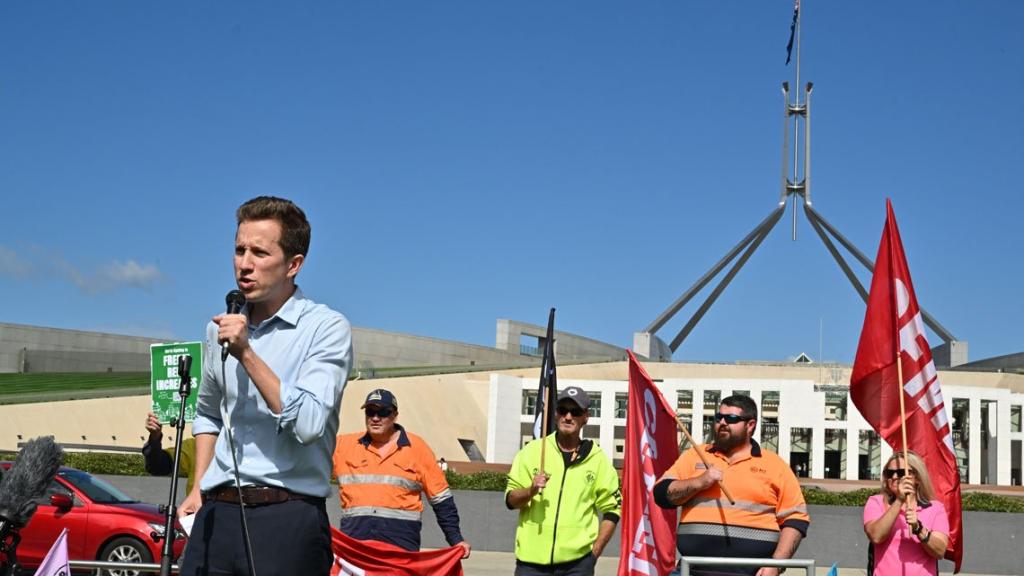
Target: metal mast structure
(795,186)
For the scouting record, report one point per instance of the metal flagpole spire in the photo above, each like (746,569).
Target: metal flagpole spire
(795,183)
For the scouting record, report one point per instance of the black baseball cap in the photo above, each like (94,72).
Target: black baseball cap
(577,395)
(380,397)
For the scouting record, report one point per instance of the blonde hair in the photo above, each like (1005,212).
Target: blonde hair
(925,492)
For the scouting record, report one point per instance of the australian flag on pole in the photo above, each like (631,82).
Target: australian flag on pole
(792,31)
(547,390)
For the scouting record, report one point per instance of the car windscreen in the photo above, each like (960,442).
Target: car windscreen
(95,488)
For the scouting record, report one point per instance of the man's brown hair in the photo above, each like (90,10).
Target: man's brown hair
(295,229)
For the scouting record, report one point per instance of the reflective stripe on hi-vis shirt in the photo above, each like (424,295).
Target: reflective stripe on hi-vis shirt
(783,514)
(380,512)
(440,497)
(754,507)
(350,479)
(726,531)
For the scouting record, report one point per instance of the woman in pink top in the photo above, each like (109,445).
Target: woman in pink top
(906,540)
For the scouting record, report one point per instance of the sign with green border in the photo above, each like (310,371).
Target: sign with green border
(164,381)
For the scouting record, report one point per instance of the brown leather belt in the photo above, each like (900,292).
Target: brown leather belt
(254,495)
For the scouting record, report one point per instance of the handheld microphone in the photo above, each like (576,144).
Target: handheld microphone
(26,482)
(235,300)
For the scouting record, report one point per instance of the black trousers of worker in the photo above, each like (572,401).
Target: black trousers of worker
(288,538)
(580,567)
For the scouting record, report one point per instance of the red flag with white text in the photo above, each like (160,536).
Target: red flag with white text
(372,558)
(652,446)
(893,318)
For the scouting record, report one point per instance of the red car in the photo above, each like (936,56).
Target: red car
(103,524)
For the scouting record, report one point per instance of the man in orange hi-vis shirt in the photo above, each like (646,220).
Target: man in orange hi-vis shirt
(381,475)
(769,517)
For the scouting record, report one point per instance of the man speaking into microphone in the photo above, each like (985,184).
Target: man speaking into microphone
(275,399)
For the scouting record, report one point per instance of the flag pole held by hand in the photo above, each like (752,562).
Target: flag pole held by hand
(703,458)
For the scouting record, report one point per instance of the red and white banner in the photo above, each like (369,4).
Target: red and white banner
(371,558)
(652,446)
(893,322)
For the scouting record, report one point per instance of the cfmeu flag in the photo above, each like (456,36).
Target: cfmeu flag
(56,561)
(372,558)
(547,390)
(893,325)
(648,531)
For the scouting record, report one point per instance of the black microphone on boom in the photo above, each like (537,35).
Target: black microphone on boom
(21,487)
(235,300)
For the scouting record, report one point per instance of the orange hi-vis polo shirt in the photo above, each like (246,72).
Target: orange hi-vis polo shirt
(768,498)
(381,495)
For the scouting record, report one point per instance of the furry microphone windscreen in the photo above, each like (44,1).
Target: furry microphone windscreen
(27,479)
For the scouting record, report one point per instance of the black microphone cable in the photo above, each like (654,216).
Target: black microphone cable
(235,301)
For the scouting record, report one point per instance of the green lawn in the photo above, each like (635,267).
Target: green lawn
(55,386)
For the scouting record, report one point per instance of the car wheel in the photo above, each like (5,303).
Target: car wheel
(125,549)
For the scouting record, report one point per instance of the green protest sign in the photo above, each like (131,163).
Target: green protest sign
(164,381)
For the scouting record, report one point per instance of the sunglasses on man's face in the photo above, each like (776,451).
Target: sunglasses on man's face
(575,411)
(730,418)
(890,472)
(382,412)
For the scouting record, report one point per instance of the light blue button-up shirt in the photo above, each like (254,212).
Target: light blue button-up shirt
(309,348)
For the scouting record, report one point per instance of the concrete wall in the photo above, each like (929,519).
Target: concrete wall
(649,347)
(117,422)
(991,543)
(380,349)
(36,349)
(1005,363)
(441,408)
(949,354)
(567,346)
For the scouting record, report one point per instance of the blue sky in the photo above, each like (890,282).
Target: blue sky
(467,161)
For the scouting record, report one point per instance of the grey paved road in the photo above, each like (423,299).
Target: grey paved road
(503,564)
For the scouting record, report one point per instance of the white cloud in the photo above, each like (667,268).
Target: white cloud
(11,264)
(113,276)
(46,264)
(131,273)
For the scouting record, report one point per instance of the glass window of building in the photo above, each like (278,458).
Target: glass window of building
(712,398)
(800,451)
(1015,468)
(835,405)
(770,404)
(707,435)
(961,441)
(529,402)
(835,453)
(687,421)
(621,404)
(987,473)
(869,455)
(1015,418)
(741,393)
(595,404)
(769,428)
(684,401)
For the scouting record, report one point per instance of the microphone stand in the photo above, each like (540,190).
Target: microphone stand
(171,509)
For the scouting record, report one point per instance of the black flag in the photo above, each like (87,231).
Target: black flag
(547,390)
(792,31)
